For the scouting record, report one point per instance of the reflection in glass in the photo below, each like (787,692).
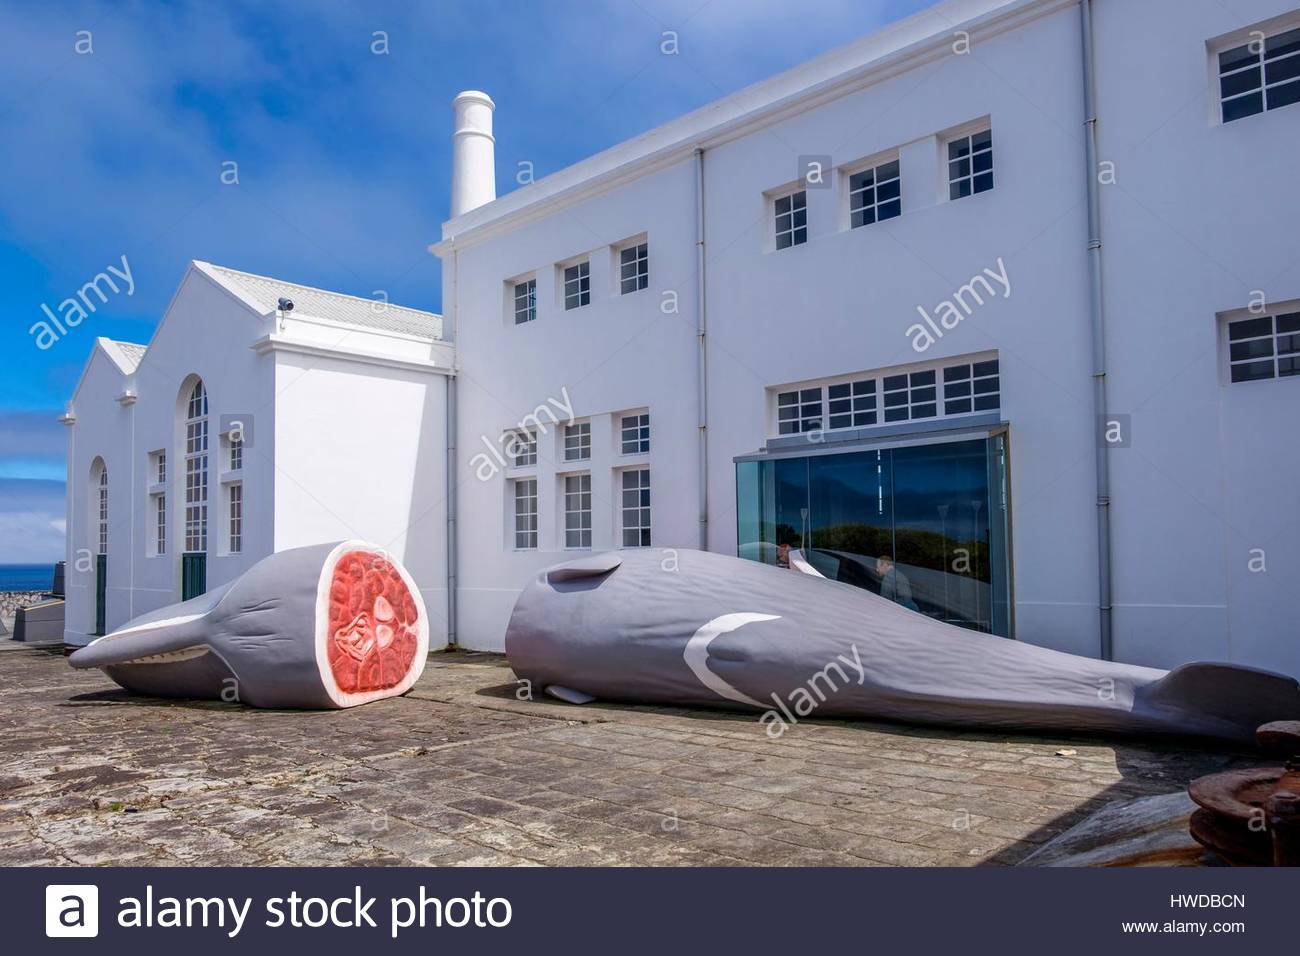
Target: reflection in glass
(925,525)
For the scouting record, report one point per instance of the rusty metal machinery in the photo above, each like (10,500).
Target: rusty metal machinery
(1251,817)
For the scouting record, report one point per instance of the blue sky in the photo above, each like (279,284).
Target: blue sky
(342,154)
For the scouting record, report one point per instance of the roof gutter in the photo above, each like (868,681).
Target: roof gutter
(1098,323)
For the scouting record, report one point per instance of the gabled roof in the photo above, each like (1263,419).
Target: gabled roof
(125,355)
(264,293)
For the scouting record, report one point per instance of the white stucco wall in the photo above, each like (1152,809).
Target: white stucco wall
(1200,216)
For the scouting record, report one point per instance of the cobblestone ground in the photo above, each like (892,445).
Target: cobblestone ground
(459,772)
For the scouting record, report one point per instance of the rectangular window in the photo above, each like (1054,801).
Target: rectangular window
(236,454)
(160,524)
(577,285)
(799,411)
(525,301)
(874,195)
(791,219)
(636,434)
(236,518)
(521,446)
(1264,347)
(636,508)
(525,513)
(162,467)
(577,511)
(910,396)
(577,442)
(970,388)
(970,164)
(633,268)
(852,404)
(1260,76)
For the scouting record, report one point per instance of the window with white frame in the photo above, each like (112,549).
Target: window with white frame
(525,513)
(160,524)
(102,523)
(236,453)
(799,410)
(636,508)
(875,194)
(1259,76)
(235,509)
(160,461)
(577,511)
(633,268)
(525,301)
(971,387)
(888,397)
(970,164)
(635,434)
(1263,347)
(577,441)
(577,285)
(852,404)
(196,470)
(791,219)
(521,446)
(910,395)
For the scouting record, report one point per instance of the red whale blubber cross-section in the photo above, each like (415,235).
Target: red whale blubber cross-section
(373,624)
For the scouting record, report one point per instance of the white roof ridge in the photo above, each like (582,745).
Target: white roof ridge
(312,288)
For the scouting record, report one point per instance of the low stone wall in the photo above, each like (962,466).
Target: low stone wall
(11,601)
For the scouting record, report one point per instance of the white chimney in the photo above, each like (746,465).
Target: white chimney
(473,153)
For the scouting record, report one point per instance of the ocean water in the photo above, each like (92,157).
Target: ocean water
(26,577)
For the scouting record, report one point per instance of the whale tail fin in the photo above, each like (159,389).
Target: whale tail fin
(1238,695)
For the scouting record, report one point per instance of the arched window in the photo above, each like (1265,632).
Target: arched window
(101,512)
(196,470)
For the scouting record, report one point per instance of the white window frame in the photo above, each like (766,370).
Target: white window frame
(521,448)
(824,413)
(977,384)
(953,178)
(1270,30)
(576,489)
(797,195)
(634,430)
(101,531)
(800,407)
(633,269)
(524,493)
(235,448)
(580,294)
(635,518)
(1282,338)
(528,300)
(160,464)
(874,166)
(196,470)
(235,517)
(160,525)
(577,441)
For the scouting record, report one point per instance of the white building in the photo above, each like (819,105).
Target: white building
(764,322)
(244,428)
(850,310)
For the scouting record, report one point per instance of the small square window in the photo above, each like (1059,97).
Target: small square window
(874,195)
(799,411)
(852,404)
(633,268)
(521,447)
(525,301)
(970,164)
(577,285)
(635,434)
(1264,347)
(577,441)
(791,214)
(1259,76)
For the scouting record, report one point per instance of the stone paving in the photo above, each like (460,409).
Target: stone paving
(459,772)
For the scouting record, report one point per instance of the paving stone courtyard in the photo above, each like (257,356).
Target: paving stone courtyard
(459,772)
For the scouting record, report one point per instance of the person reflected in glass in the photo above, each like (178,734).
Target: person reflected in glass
(893,582)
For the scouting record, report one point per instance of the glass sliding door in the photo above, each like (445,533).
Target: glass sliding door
(923,525)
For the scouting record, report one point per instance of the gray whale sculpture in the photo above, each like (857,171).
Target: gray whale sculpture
(692,628)
(325,626)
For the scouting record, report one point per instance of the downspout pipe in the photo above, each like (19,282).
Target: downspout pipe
(1098,323)
(453,545)
(701,335)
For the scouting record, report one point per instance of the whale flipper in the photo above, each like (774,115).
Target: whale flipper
(568,694)
(1240,695)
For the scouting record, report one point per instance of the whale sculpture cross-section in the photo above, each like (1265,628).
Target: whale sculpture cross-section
(699,629)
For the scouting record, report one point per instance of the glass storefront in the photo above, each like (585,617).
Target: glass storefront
(925,525)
